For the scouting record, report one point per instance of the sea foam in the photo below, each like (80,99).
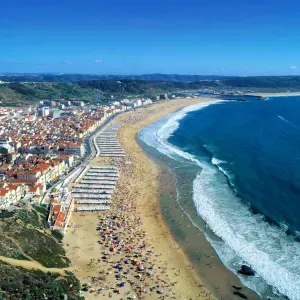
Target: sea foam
(287,121)
(267,248)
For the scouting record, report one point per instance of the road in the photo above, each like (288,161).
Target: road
(92,152)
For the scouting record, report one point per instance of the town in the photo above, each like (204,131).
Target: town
(39,145)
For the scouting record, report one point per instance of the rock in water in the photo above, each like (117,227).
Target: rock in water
(246,270)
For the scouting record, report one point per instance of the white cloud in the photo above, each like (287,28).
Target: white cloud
(293,67)
(98,61)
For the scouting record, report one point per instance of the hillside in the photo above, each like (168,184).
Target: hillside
(20,283)
(93,91)
(22,92)
(14,94)
(26,238)
(253,81)
(87,77)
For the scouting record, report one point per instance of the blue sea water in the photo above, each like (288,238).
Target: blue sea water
(247,189)
(259,145)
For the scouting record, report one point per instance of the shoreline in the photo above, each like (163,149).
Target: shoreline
(139,192)
(279,94)
(153,220)
(209,268)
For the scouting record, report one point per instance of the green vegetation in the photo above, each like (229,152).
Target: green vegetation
(95,89)
(56,234)
(15,94)
(19,283)
(87,77)
(10,249)
(264,82)
(6,214)
(44,212)
(26,234)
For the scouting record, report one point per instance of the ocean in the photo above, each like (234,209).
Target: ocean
(242,159)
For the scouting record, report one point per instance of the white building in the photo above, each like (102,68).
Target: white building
(136,103)
(5,144)
(44,111)
(147,101)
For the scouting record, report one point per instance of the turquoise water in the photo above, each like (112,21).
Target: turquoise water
(247,188)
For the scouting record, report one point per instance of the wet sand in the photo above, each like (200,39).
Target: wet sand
(134,254)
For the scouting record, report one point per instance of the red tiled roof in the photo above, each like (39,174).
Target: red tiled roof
(3,192)
(56,208)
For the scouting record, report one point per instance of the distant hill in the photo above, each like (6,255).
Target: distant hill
(89,77)
(273,82)
(232,81)
(17,93)
(31,88)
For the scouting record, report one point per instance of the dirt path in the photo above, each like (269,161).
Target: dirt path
(31,265)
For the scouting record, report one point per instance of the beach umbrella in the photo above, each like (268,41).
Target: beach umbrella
(160,291)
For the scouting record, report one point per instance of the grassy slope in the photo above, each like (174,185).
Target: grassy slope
(13,94)
(19,283)
(25,235)
(23,93)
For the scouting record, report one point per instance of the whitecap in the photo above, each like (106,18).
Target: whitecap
(287,121)
(248,237)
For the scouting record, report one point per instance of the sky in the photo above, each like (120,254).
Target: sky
(208,37)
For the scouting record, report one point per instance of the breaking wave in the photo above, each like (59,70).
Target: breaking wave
(248,237)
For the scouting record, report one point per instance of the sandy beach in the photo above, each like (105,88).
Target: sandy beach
(134,254)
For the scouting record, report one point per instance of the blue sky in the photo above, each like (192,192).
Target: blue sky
(240,37)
